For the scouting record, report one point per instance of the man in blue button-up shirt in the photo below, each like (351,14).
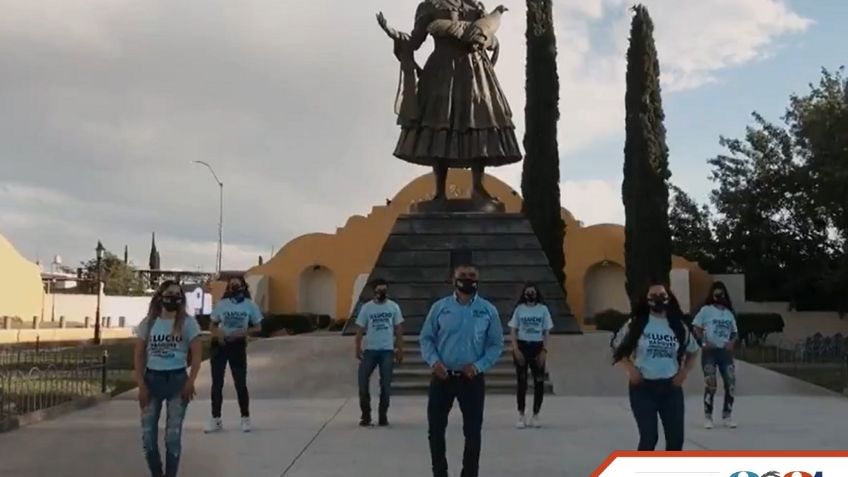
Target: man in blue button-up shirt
(461,339)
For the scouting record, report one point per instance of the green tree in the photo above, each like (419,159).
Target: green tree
(119,278)
(540,176)
(819,124)
(768,225)
(691,235)
(647,245)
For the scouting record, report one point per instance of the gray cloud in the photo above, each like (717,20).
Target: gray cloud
(107,102)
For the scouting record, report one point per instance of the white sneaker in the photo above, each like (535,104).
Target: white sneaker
(708,423)
(213,425)
(522,422)
(534,421)
(729,423)
(245,424)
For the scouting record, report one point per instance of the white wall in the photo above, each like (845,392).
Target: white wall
(798,325)
(735,283)
(76,307)
(258,285)
(198,302)
(317,292)
(358,285)
(680,287)
(604,289)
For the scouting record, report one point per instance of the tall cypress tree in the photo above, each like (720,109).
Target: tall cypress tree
(647,244)
(540,177)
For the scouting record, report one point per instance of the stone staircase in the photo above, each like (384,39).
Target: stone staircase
(422,248)
(412,377)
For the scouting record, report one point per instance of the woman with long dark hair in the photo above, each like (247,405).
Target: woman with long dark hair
(715,327)
(657,350)
(529,327)
(232,320)
(167,343)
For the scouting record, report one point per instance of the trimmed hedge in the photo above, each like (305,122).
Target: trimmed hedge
(755,327)
(293,324)
(610,320)
(613,320)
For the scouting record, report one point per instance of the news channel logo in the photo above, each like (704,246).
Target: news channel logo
(774,473)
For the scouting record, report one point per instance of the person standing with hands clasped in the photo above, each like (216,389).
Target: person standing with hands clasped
(381,318)
(233,319)
(461,339)
(530,326)
(658,352)
(715,326)
(168,342)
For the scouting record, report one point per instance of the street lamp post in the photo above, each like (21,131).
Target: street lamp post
(99,250)
(57,260)
(220,252)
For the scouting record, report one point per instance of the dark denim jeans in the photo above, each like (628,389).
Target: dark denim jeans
(164,387)
(371,359)
(718,360)
(235,353)
(658,397)
(530,351)
(471,394)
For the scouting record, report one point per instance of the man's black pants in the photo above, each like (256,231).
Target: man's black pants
(235,353)
(471,394)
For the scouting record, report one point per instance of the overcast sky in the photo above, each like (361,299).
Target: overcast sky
(105,103)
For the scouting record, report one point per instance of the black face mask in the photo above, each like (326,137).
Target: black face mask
(466,285)
(658,303)
(171,303)
(530,297)
(237,294)
(719,297)
(380,295)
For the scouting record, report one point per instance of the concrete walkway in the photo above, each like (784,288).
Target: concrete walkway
(301,436)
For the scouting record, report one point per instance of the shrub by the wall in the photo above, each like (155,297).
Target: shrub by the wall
(293,324)
(754,328)
(610,320)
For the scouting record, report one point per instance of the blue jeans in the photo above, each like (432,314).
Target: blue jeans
(658,397)
(371,359)
(718,361)
(164,387)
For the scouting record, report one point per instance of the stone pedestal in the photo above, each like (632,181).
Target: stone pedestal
(422,248)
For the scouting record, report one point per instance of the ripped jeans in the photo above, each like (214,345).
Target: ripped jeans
(164,387)
(718,361)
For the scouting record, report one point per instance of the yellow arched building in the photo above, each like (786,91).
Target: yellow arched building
(20,284)
(324,273)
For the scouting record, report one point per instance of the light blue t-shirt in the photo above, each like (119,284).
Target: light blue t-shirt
(719,325)
(459,334)
(531,322)
(166,352)
(379,321)
(656,352)
(232,316)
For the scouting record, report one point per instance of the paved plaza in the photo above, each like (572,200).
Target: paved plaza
(305,417)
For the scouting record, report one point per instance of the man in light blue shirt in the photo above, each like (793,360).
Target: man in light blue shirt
(381,319)
(461,339)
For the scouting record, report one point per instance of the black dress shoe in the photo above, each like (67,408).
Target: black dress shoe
(383,422)
(365,422)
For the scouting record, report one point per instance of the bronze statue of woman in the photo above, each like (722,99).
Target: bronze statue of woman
(453,112)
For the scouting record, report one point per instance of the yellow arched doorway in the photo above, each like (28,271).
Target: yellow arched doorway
(603,288)
(317,291)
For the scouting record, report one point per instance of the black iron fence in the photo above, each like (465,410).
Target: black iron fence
(820,360)
(36,379)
